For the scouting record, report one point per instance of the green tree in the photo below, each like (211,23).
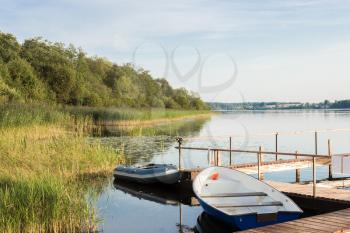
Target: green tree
(9,47)
(52,64)
(24,80)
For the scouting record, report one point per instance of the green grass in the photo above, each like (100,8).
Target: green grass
(12,115)
(41,204)
(41,170)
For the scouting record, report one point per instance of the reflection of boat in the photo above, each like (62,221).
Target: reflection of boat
(149,173)
(207,224)
(146,192)
(241,200)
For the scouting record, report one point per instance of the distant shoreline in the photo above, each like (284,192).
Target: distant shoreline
(271,110)
(338,104)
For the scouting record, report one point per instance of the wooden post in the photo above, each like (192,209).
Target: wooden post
(314,176)
(297,175)
(179,140)
(209,159)
(314,172)
(214,155)
(330,171)
(297,171)
(259,163)
(316,143)
(180,217)
(218,162)
(276,144)
(230,151)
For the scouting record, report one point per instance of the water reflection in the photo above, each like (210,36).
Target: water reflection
(132,207)
(183,128)
(208,224)
(154,142)
(159,193)
(165,195)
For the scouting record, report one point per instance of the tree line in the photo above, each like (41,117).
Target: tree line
(42,71)
(337,104)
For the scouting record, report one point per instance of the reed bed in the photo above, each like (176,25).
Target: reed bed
(12,115)
(41,168)
(131,115)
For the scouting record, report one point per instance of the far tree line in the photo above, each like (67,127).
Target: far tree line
(338,104)
(42,71)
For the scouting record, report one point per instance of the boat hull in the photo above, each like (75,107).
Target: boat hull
(244,222)
(170,177)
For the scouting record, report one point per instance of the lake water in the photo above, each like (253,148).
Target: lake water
(135,209)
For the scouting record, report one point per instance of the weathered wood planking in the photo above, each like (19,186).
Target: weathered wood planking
(338,222)
(306,190)
(280,165)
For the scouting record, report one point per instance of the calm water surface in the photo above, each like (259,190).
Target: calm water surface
(125,208)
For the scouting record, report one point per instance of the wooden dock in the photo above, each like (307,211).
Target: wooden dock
(331,206)
(334,222)
(334,194)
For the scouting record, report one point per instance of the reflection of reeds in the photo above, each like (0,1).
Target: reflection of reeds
(41,170)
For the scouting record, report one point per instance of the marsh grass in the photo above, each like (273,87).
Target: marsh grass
(12,115)
(131,115)
(41,168)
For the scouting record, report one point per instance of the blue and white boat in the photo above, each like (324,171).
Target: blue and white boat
(241,200)
(148,173)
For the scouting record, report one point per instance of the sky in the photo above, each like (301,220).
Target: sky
(225,50)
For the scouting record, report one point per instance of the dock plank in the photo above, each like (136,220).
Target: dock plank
(338,221)
(322,192)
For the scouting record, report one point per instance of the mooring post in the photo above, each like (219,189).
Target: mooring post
(180,217)
(179,141)
(259,163)
(276,144)
(297,171)
(215,158)
(314,172)
(297,175)
(209,159)
(316,142)
(230,151)
(330,171)
(314,176)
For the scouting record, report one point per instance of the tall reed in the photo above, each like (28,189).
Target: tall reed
(41,167)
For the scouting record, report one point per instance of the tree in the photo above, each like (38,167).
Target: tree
(52,64)
(24,80)
(9,47)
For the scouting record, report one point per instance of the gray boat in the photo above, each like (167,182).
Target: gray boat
(148,173)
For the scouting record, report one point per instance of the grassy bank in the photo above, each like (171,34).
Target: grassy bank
(42,167)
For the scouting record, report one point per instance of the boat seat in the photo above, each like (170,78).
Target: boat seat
(250,194)
(274,203)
